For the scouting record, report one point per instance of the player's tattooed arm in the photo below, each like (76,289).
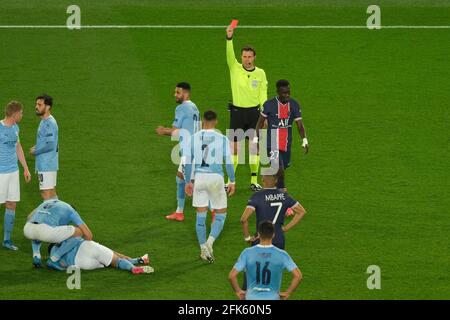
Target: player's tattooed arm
(299,212)
(302,132)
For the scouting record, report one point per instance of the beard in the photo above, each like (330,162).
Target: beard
(38,113)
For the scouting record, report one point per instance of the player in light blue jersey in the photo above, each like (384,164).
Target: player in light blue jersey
(186,123)
(264,265)
(204,176)
(90,255)
(46,148)
(53,221)
(10,151)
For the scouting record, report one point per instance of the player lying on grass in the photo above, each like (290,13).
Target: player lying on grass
(187,118)
(51,222)
(90,255)
(264,265)
(272,204)
(280,113)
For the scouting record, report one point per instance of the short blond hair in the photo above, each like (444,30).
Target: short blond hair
(13,107)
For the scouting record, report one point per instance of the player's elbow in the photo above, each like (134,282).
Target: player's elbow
(87,233)
(88,236)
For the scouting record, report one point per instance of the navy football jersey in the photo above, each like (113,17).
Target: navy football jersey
(271,204)
(280,118)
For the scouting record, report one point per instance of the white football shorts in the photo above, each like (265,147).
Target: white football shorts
(92,255)
(47,180)
(9,187)
(209,188)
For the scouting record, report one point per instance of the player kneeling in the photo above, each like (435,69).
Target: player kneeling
(52,222)
(90,255)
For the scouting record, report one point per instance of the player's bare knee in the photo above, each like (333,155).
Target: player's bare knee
(114,260)
(10,205)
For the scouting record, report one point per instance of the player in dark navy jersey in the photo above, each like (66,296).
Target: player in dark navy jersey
(271,204)
(281,112)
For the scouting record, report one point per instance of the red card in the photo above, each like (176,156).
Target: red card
(234,23)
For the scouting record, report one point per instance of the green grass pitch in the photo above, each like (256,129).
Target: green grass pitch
(375,105)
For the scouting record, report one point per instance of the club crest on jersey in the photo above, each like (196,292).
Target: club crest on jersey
(255,84)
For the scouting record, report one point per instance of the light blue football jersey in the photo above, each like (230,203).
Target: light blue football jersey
(264,266)
(8,142)
(55,213)
(187,117)
(47,145)
(209,151)
(68,258)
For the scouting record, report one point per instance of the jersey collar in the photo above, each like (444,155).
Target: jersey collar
(248,70)
(261,246)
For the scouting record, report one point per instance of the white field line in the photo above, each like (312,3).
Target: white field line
(210,27)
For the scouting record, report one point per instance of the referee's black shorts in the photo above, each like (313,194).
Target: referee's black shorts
(243,118)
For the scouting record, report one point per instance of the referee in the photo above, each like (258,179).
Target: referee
(249,91)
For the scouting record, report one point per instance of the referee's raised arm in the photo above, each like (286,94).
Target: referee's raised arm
(231,58)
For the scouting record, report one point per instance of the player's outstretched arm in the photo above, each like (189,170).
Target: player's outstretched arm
(302,132)
(163,131)
(23,162)
(232,277)
(299,212)
(296,278)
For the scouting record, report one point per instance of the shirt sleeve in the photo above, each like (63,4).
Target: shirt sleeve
(231,59)
(291,202)
(18,131)
(178,118)
(50,133)
(296,112)
(76,219)
(252,202)
(288,263)
(263,90)
(242,261)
